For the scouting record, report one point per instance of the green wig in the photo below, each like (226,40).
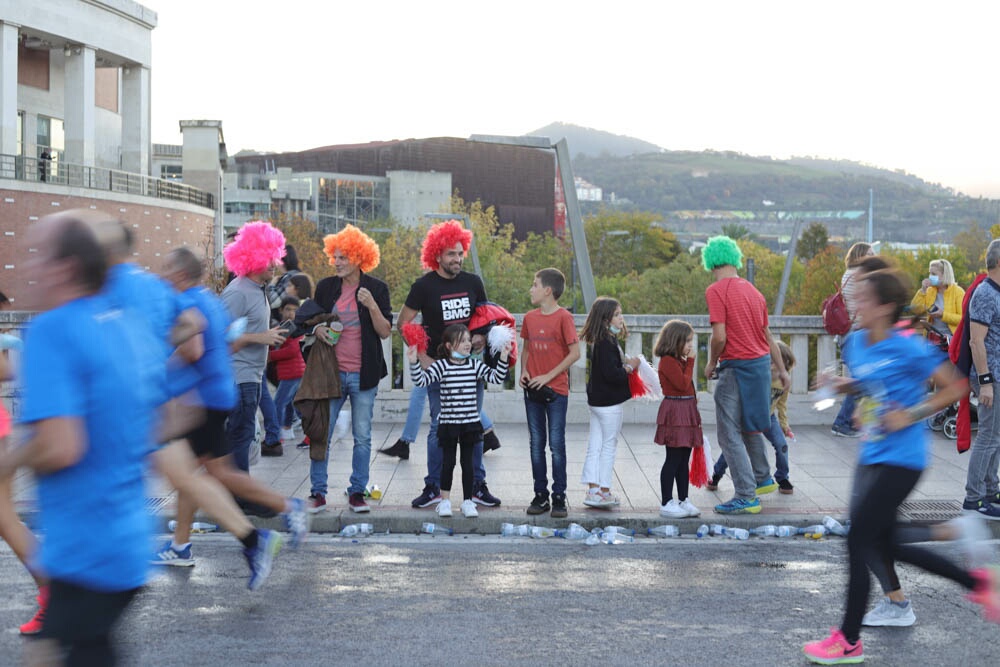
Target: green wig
(721,251)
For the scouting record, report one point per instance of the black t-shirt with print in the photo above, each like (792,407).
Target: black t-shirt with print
(442,302)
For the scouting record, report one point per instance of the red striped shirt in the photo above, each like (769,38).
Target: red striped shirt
(737,304)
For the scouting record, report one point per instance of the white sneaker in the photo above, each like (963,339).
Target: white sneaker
(887,613)
(673,510)
(444,507)
(287,434)
(469,510)
(593,498)
(688,507)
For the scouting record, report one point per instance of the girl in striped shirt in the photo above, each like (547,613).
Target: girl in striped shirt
(458,423)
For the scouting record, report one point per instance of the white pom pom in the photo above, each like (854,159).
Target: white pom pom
(650,379)
(500,337)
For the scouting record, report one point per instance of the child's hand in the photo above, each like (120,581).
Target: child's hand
(789,434)
(411,354)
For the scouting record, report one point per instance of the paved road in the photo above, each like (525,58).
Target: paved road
(409,600)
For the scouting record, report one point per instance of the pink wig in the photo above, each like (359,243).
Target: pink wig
(257,247)
(440,237)
(359,248)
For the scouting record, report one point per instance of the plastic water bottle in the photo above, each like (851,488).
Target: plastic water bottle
(357,529)
(834,527)
(785,531)
(765,531)
(738,533)
(616,538)
(664,531)
(701,532)
(574,532)
(196,527)
(620,530)
(542,531)
(510,530)
(717,529)
(593,540)
(434,529)
(813,530)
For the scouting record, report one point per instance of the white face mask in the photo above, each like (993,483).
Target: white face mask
(615,330)
(935,280)
(459,356)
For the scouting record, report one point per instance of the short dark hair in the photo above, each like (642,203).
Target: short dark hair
(289,301)
(185,261)
(554,279)
(891,287)
(77,241)
(291,258)
(303,285)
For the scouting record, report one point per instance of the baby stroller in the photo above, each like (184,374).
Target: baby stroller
(946,420)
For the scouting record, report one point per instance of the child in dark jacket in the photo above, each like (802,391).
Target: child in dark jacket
(607,390)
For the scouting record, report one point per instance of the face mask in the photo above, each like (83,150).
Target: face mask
(615,330)
(459,356)
(935,280)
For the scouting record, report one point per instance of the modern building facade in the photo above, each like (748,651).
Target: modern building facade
(75,127)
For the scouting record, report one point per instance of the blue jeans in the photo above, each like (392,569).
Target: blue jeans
(283,398)
(844,420)
(776,437)
(362,407)
(241,424)
(434,454)
(555,414)
(272,430)
(415,411)
(418,396)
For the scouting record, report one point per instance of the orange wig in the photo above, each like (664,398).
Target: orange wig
(359,248)
(440,237)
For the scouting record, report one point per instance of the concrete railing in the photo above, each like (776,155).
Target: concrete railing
(804,334)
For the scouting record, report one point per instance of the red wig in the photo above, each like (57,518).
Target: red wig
(440,237)
(257,246)
(359,248)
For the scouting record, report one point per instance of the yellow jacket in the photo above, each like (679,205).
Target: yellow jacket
(953,296)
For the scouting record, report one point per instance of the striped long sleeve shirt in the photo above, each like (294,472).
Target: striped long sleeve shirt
(458,386)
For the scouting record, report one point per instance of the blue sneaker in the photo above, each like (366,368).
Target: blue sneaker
(297,522)
(261,557)
(739,506)
(767,486)
(167,555)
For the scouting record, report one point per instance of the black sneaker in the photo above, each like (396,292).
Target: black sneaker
(559,510)
(490,441)
(401,449)
(845,432)
(985,509)
(273,449)
(482,496)
(714,484)
(540,505)
(430,496)
(784,486)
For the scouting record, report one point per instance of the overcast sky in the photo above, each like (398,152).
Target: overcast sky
(903,85)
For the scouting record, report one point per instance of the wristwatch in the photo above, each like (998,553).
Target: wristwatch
(986,378)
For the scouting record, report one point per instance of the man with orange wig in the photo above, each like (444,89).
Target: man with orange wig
(361,303)
(443,296)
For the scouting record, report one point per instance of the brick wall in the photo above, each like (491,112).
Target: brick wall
(155,225)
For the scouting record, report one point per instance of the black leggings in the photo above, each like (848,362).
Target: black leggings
(82,621)
(876,539)
(675,467)
(448,445)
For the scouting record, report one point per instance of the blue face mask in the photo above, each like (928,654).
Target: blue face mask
(935,280)
(458,356)
(615,330)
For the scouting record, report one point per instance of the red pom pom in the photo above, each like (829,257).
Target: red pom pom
(415,336)
(698,475)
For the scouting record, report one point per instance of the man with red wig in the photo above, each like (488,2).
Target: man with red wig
(443,296)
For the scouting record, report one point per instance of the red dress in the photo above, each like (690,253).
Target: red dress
(678,422)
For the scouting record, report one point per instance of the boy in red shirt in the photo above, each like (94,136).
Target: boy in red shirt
(550,347)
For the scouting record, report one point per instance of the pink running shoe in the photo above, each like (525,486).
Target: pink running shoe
(834,650)
(987,592)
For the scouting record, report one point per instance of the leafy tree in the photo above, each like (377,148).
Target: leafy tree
(308,243)
(813,241)
(972,242)
(677,288)
(821,278)
(768,269)
(400,264)
(623,241)
(915,264)
(735,231)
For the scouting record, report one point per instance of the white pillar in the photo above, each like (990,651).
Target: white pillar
(79,105)
(135,120)
(8,89)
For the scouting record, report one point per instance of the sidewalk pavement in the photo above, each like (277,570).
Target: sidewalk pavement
(821,469)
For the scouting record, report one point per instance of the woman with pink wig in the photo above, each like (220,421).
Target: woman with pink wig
(361,303)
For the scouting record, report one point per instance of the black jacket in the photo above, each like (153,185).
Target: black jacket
(608,383)
(373,366)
